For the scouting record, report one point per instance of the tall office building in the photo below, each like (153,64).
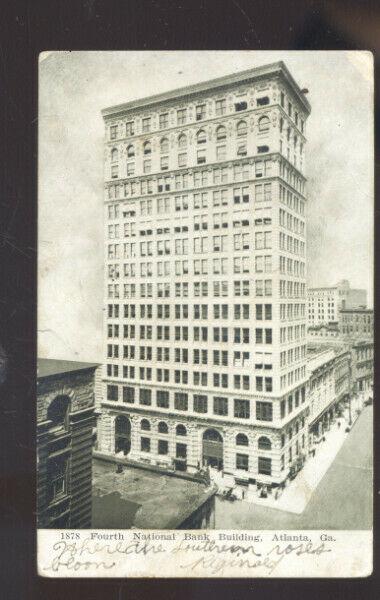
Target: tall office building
(205,277)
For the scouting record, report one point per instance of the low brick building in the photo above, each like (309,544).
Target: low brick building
(65,422)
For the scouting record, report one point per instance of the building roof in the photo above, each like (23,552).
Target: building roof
(47,367)
(356,310)
(240,77)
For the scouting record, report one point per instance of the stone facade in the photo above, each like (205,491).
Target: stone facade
(205,279)
(65,422)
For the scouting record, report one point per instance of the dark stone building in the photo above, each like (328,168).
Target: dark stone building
(65,423)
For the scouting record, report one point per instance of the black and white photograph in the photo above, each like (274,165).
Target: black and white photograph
(205,300)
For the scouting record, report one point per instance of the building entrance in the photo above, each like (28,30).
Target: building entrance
(212,449)
(122,435)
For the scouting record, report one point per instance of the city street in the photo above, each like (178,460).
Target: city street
(342,500)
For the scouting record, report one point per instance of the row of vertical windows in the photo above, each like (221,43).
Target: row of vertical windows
(241,408)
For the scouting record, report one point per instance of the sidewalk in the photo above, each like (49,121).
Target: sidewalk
(297,494)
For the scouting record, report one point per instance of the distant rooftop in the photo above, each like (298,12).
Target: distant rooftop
(48,366)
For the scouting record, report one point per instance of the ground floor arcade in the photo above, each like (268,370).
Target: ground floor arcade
(228,453)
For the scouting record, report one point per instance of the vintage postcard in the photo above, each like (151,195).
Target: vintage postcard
(205,314)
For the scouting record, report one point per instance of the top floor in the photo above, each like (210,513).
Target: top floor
(235,94)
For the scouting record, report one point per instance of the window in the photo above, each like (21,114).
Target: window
(180,401)
(130,169)
(114,171)
(221,133)
(114,155)
(164,120)
(241,129)
(200,112)
(200,403)
(181,116)
(264,443)
(201,137)
(182,159)
(128,394)
(201,157)
(162,427)
(145,397)
(265,465)
(220,107)
(182,141)
(145,444)
(242,462)
(163,447)
(262,101)
(112,393)
(145,425)
(147,147)
(220,406)
(241,439)
(241,409)
(181,430)
(242,105)
(181,451)
(146,125)
(164,146)
(164,163)
(130,151)
(264,411)
(264,123)
(58,477)
(162,398)
(220,152)
(130,128)
(113,132)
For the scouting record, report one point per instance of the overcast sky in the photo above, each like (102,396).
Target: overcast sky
(75,86)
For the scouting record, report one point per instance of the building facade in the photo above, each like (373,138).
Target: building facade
(362,367)
(205,277)
(65,421)
(356,323)
(324,303)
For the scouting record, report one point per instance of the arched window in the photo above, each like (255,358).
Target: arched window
(264,443)
(147,148)
(201,137)
(182,141)
(164,146)
(162,427)
(58,412)
(221,133)
(180,430)
(130,151)
(241,439)
(145,425)
(114,154)
(241,129)
(264,123)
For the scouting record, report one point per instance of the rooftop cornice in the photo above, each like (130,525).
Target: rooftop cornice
(278,68)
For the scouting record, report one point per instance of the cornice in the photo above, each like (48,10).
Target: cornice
(241,78)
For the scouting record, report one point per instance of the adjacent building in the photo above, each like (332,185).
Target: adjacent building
(329,369)
(205,277)
(362,367)
(65,421)
(356,323)
(324,303)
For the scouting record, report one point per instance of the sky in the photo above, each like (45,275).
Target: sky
(75,86)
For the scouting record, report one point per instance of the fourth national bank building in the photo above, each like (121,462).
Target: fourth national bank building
(205,278)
